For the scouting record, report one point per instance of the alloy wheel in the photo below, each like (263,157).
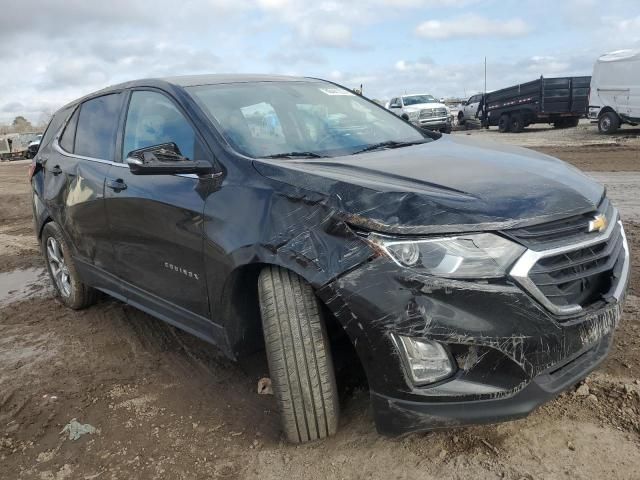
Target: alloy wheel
(59,268)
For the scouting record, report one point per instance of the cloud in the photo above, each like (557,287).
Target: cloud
(63,49)
(332,35)
(429,3)
(472,26)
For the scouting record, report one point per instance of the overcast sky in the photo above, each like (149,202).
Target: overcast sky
(54,51)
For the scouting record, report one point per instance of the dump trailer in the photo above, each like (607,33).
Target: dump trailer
(561,101)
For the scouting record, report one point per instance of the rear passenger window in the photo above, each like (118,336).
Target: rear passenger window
(152,120)
(69,135)
(54,126)
(97,125)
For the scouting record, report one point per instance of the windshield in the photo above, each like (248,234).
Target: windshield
(416,99)
(307,118)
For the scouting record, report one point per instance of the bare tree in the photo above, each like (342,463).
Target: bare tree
(21,124)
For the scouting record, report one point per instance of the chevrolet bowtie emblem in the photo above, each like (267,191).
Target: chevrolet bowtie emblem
(598,224)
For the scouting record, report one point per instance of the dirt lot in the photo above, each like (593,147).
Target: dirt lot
(166,405)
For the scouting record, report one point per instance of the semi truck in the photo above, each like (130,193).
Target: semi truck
(559,101)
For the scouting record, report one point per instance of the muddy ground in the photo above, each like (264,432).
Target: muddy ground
(166,405)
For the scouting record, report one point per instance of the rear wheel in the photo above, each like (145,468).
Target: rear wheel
(516,124)
(503,123)
(572,122)
(461,118)
(299,356)
(62,270)
(608,122)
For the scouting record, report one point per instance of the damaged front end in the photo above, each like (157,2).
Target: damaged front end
(451,333)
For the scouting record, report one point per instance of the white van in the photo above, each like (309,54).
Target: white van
(615,90)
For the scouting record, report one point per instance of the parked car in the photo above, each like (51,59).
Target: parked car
(561,101)
(422,110)
(471,110)
(33,147)
(472,281)
(615,90)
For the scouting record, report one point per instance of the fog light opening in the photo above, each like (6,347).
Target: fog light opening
(426,361)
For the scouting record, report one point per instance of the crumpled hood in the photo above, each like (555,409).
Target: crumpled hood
(451,184)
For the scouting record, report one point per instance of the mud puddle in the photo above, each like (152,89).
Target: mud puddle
(22,284)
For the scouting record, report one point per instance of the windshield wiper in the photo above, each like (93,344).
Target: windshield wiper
(295,155)
(388,144)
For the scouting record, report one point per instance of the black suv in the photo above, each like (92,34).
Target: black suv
(473,281)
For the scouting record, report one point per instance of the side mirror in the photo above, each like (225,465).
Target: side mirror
(164,159)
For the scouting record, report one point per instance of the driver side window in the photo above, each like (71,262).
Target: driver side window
(153,119)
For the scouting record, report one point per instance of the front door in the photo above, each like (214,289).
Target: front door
(156,220)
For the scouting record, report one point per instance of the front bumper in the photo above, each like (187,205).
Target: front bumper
(397,416)
(512,354)
(433,123)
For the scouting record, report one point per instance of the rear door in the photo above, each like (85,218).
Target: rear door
(75,171)
(156,221)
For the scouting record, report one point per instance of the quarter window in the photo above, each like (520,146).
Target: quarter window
(153,119)
(97,124)
(69,135)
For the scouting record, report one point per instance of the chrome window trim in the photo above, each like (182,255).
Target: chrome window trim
(59,149)
(520,270)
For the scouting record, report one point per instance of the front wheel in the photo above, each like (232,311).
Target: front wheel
(299,356)
(608,122)
(62,269)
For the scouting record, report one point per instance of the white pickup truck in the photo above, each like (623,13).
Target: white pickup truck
(423,111)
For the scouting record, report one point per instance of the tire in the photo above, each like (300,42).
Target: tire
(461,119)
(608,122)
(62,270)
(503,123)
(516,123)
(572,122)
(299,356)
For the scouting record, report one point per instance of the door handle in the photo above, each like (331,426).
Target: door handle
(116,185)
(56,170)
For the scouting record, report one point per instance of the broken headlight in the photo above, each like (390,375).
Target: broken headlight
(481,255)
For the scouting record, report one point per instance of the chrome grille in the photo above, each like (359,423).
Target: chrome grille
(579,277)
(560,232)
(567,278)
(433,113)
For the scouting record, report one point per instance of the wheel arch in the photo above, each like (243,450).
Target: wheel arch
(607,109)
(243,326)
